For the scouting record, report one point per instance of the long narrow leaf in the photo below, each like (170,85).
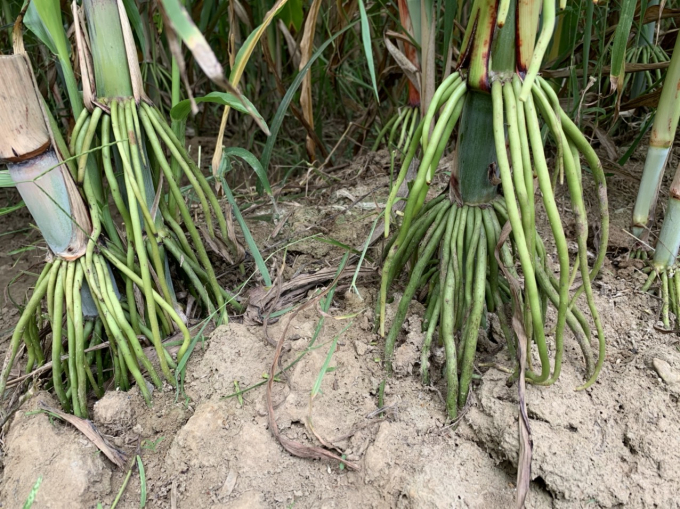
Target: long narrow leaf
(368,49)
(142,483)
(184,27)
(136,23)
(254,251)
(618,69)
(6,179)
(182,109)
(324,369)
(43,18)
(12,208)
(237,70)
(254,163)
(243,55)
(450,9)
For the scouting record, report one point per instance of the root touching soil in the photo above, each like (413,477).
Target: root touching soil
(613,445)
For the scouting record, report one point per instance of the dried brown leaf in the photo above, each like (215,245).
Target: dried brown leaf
(408,68)
(524,429)
(88,429)
(306,49)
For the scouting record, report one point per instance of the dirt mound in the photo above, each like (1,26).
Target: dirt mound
(74,474)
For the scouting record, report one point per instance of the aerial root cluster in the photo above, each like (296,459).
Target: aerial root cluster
(153,230)
(453,246)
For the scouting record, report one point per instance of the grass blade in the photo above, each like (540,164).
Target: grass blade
(6,179)
(136,22)
(182,109)
(34,491)
(12,208)
(240,62)
(142,483)
(185,28)
(254,251)
(368,49)
(306,48)
(324,369)
(254,163)
(618,69)
(43,18)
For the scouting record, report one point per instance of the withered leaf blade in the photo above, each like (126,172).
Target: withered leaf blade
(524,429)
(217,245)
(408,68)
(90,431)
(306,48)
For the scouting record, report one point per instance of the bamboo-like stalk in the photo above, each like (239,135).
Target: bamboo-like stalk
(498,138)
(660,142)
(667,246)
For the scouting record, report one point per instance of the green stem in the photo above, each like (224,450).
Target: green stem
(531,288)
(79,342)
(184,211)
(138,239)
(70,335)
(167,307)
(57,319)
(550,205)
(410,291)
(472,324)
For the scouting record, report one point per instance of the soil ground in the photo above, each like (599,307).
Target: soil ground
(615,444)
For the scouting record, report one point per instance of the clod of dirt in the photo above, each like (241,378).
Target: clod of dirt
(234,357)
(113,413)
(197,447)
(408,353)
(667,374)
(611,446)
(360,347)
(74,474)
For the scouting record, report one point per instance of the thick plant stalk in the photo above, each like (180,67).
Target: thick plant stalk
(500,140)
(669,239)
(547,28)
(664,263)
(660,142)
(79,268)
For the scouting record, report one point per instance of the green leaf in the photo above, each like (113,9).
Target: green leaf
(249,45)
(142,483)
(206,12)
(181,23)
(414,11)
(12,208)
(182,109)
(450,9)
(292,14)
(34,491)
(254,163)
(254,251)
(43,18)
(618,69)
(136,23)
(6,179)
(34,24)
(366,38)
(325,368)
